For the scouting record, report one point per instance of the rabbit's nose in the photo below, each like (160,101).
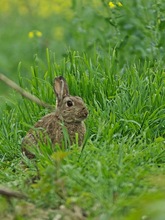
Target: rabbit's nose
(85,112)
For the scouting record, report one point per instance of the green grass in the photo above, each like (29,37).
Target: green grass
(124,152)
(115,63)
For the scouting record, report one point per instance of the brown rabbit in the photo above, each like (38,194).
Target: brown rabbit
(69,114)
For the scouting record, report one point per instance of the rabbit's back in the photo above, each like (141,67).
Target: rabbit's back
(52,129)
(47,129)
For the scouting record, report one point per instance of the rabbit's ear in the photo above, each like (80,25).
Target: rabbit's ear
(60,88)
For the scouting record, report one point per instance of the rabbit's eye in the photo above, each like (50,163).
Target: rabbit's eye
(69,103)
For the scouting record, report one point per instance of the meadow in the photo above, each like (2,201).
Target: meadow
(112,55)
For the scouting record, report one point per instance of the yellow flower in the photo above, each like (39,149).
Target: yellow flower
(119,4)
(112,5)
(34,33)
(31,34)
(38,33)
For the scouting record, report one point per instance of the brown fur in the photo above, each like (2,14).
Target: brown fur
(51,126)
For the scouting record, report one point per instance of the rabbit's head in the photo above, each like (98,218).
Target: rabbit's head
(71,109)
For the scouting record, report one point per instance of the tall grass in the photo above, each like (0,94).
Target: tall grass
(124,149)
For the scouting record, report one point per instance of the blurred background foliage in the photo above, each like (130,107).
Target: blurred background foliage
(134,29)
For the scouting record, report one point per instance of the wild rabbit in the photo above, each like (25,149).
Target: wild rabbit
(69,114)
